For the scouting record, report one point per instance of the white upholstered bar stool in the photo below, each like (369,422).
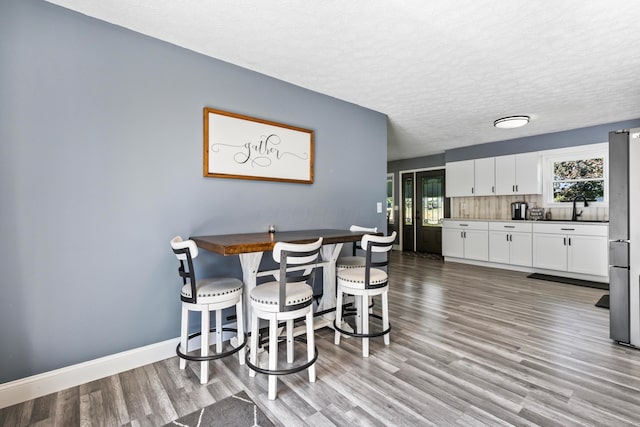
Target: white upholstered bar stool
(362,283)
(206,295)
(354,260)
(287,299)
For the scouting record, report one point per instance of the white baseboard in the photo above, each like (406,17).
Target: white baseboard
(29,388)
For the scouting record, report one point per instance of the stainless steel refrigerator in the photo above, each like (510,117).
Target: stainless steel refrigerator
(624,236)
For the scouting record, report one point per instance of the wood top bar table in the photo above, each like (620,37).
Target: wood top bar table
(250,247)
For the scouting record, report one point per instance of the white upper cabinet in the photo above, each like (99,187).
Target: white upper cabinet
(460,178)
(495,176)
(484,173)
(505,174)
(528,173)
(518,174)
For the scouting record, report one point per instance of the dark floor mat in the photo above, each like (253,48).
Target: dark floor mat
(603,302)
(570,281)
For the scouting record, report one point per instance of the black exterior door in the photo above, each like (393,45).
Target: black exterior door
(430,208)
(407,212)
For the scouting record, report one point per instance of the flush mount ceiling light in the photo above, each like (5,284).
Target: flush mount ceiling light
(511,122)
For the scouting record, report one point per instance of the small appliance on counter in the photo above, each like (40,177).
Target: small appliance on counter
(536,214)
(519,210)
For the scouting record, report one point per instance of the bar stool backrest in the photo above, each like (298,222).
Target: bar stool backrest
(186,251)
(295,255)
(357,245)
(376,244)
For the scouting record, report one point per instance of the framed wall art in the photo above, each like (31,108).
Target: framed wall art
(243,147)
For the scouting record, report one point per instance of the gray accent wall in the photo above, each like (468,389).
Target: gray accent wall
(101,134)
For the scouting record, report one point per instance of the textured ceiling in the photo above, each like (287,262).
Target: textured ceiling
(442,70)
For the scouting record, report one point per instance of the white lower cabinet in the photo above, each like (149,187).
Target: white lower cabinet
(510,243)
(466,239)
(581,249)
(452,242)
(575,248)
(550,251)
(588,255)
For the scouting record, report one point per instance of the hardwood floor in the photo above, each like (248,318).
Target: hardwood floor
(469,346)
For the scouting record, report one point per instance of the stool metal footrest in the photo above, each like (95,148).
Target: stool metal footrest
(213,356)
(350,308)
(283,371)
(357,335)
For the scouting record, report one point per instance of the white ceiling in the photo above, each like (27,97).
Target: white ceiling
(442,70)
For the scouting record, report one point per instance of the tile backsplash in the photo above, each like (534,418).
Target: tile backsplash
(499,207)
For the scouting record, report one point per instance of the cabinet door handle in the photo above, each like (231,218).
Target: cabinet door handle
(569,241)
(493,189)
(513,188)
(462,234)
(465,234)
(507,236)
(568,229)
(565,242)
(516,187)
(471,190)
(509,226)
(511,237)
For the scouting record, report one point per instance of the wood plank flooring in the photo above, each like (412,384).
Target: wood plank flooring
(469,346)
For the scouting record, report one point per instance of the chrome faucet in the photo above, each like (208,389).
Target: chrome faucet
(575,214)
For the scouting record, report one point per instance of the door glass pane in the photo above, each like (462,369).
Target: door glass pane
(432,201)
(390,216)
(408,201)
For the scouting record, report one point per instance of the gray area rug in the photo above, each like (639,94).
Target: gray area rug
(237,410)
(569,281)
(603,302)
(424,255)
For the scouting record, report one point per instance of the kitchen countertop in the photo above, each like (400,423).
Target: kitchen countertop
(548,221)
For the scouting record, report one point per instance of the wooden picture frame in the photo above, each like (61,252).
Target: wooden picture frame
(242,147)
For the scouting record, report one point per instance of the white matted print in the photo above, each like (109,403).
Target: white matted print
(243,147)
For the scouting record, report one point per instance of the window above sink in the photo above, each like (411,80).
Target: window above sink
(573,172)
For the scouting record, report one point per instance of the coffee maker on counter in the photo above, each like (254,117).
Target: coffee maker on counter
(519,210)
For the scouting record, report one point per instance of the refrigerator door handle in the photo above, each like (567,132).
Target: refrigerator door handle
(619,254)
